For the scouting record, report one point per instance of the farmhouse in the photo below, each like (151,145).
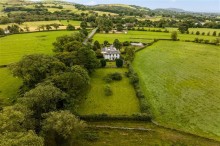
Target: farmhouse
(110,53)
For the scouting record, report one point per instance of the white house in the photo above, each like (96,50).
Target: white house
(110,53)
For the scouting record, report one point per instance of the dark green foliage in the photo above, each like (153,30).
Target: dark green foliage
(73,83)
(61,128)
(174,35)
(103,62)
(130,54)
(83,25)
(214,33)
(108,90)
(197,33)
(115,76)
(32,69)
(70,27)
(96,45)
(2,32)
(66,41)
(119,27)
(68,58)
(117,44)
(105,43)
(183,27)
(119,62)
(87,58)
(84,32)
(203,33)
(14,29)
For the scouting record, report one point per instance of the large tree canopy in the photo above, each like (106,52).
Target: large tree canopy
(34,68)
(62,127)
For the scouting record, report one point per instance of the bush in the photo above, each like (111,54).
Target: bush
(70,27)
(174,35)
(214,33)
(119,62)
(116,76)
(203,33)
(103,62)
(197,33)
(108,91)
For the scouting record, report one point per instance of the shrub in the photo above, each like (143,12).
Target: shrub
(108,91)
(208,34)
(103,62)
(119,62)
(206,41)
(203,33)
(116,76)
(214,33)
(70,27)
(196,40)
(197,33)
(174,35)
(107,79)
(144,106)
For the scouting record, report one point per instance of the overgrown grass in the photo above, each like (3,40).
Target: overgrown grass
(122,102)
(157,136)
(13,47)
(181,82)
(8,86)
(145,36)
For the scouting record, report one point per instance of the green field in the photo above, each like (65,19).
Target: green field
(157,136)
(8,85)
(206,30)
(181,82)
(122,102)
(13,47)
(144,36)
(33,26)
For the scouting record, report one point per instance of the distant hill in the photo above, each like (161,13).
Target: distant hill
(176,10)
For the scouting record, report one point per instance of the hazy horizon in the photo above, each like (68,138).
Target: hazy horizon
(188,5)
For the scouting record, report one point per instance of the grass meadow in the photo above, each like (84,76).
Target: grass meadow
(33,26)
(122,102)
(13,47)
(145,36)
(8,86)
(157,136)
(181,82)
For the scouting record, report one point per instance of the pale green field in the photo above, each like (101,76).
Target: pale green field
(13,47)
(206,30)
(9,86)
(145,36)
(33,26)
(181,82)
(122,102)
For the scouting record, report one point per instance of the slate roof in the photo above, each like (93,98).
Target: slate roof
(110,50)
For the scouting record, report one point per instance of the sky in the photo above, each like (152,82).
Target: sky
(189,5)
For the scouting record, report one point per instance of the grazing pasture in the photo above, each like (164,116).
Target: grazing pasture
(8,86)
(33,26)
(122,102)
(181,83)
(145,36)
(13,47)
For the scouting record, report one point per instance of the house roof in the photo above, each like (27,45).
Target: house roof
(110,50)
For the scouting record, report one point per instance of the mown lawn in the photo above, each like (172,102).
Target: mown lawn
(145,36)
(181,82)
(122,102)
(8,85)
(13,47)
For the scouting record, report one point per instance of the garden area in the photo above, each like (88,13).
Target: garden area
(123,100)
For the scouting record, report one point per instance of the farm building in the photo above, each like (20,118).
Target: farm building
(137,44)
(110,53)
